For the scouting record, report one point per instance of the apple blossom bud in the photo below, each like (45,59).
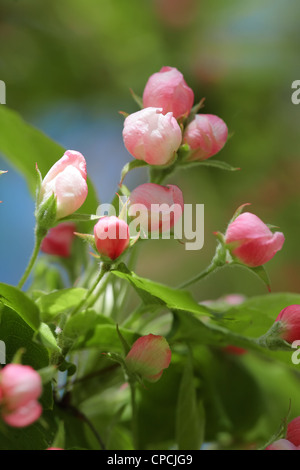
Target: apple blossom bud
(58,241)
(152,136)
(20,385)
(24,415)
(251,241)
(67,181)
(162,206)
(293,430)
(111,236)
(148,357)
(206,135)
(289,318)
(282,444)
(168,90)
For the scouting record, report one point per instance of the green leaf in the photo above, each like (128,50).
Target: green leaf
(105,338)
(154,293)
(14,298)
(131,166)
(190,417)
(47,374)
(81,323)
(55,303)
(213,163)
(24,146)
(48,339)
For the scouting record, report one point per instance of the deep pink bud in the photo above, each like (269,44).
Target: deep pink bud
(251,241)
(152,136)
(282,444)
(168,90)
(111,236)
(290,330)
(162,206)
(67,180)
(148,357)
(24,415)
(235,350)
(20,385)
(293,430)
(58,241)
(206,135)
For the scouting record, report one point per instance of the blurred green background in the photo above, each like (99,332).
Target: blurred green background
(68,67)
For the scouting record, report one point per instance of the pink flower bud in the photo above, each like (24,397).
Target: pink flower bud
(19,385)
(148,357)
(168,90)
(54,448)
(58,241)
(282,444)
(111,236)
(235,350)
(293,429)
(251,241)
(162,206)
(152,136)
(67,180)
(206,135)
(24,415)
(290,330)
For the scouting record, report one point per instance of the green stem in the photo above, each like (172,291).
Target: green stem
(104,269)
(134,415)
(211,268)
(97,295)
(37,245)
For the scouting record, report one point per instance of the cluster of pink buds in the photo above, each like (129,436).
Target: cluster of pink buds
(20,387)
(154,135)
(292,439)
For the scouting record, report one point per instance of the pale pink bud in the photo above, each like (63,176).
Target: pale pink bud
(290,329)
(251,241)
(24,415)
(293,430)
(168,90)
(19,385)
(158,207)
(148,357)
(282,444)
(111,236)
(67,180)
(152,136)
(58,241)
(206,135)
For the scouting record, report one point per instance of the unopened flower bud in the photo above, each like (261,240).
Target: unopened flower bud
(206,135)
(168,90)
(159,207)
(111,236)
(148,357)
(289,318)
(152,136)
(251,241)
(67,181)
(58,241)
(293,429)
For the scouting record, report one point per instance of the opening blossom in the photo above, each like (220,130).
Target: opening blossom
(148,357)
(158,207)
(251,241)
(20,387)
(152,136)
(168,90)
(67,180)
(206,135)
(58,241)
(111,236)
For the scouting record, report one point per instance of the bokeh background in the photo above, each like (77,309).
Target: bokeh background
(68,67)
